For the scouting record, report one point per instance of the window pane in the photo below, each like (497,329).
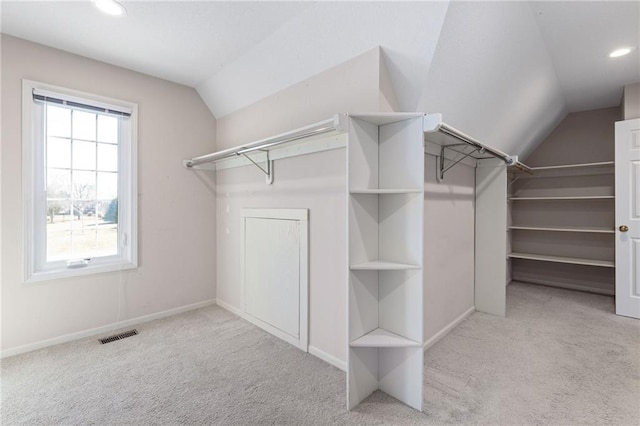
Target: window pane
(107,186)
(84,125)
(58,183)
(58,121)
(84,155)
(84,187)
(58,153)
(84,238)
(107,157)
(58,230)
(107,129)
(107,239)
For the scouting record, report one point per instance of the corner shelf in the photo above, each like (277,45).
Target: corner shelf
(385,183)
(563,229)
(563,259)
(381,338)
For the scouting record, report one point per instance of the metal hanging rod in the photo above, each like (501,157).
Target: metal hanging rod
(433,125)
(316,129)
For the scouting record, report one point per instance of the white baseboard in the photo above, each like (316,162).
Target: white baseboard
(453,324)
(104,329)
(330,359)
(230,308)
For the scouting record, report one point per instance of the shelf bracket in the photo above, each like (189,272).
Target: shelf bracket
(269,163)
(441,166)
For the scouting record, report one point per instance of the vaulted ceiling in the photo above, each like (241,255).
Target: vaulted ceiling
(505,72)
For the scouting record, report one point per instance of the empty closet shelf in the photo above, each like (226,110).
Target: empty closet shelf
(381,338)
(586,197)
(564,229)
(575,166)
(563,259)
(380,265)
(387,191)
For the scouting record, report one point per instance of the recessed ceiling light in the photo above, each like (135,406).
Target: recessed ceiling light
(110,7)
(619,52)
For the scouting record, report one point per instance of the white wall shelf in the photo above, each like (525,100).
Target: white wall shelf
(561,224)
(563,229)
(588,197)
(575,166)
(387,191)
(563,259)
(380,265)
(381,338)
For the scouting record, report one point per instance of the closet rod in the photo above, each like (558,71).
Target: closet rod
(509,161)
(320,128)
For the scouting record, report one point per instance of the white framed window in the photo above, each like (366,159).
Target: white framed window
(79,182)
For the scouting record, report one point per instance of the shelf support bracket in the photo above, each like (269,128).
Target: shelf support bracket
(441,167)
(269,163)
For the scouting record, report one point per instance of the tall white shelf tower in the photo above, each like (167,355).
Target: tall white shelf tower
(385,236)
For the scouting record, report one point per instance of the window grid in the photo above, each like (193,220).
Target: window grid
(72,201)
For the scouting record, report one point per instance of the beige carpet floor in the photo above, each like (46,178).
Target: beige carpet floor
(559,358)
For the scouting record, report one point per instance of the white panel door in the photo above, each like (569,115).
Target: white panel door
(274,272)
(628,218)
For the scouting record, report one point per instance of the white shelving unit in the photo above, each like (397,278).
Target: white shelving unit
(563,259)
(385,158)
(562,226)
(385,221)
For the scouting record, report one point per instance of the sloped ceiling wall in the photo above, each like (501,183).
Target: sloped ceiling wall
(484,65)
(492,76)
(502,71)
(324,35)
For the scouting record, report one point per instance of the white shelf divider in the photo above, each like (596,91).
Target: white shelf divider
(564,229)
(381,265)
(381,338)
(588,197)
(563,259)
(386,191)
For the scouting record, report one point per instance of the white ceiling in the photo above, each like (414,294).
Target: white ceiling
(505,72)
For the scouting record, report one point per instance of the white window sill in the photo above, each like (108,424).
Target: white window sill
(79,272)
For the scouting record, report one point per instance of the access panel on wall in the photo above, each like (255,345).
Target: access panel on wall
(275,272)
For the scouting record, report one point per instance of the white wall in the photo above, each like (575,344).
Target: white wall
(581,137)
(448,246)
(631,101)
(176,206)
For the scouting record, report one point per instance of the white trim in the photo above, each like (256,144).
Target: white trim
(453,324)
(328,358)
(319,353)
(104,329)
(230,308)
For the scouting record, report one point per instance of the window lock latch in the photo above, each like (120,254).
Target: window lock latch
(78,263)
